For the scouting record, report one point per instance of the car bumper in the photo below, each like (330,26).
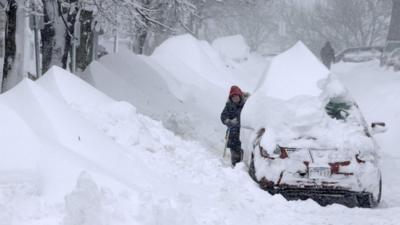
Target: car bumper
(324,196)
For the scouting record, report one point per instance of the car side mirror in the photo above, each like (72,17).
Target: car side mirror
(378,127)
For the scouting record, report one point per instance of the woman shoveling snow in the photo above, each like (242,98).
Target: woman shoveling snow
(230,117)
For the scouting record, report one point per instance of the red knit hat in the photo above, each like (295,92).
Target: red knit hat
(235,90)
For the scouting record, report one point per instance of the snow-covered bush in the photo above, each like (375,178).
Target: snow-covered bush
(83,205)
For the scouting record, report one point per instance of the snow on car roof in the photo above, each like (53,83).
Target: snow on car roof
(295,72)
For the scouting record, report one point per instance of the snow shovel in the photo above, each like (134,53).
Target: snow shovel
(226,142)
(247,128)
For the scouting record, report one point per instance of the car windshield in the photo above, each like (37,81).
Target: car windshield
(338,108)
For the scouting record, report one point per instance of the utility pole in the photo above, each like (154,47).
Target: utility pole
(97,31)
(116,30)
(116,40)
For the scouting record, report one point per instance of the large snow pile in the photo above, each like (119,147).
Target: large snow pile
(198,57)
(183,108)
(63,141)
(78,157)
(247,67)
(232,47)
(118,155)
(11,160)
(184,84)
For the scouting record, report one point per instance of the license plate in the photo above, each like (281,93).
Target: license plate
(319,172)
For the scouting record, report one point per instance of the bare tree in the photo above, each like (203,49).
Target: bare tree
(10,43)
(394,30)
(346,24)
(143,20)
(252,19)
(15,38)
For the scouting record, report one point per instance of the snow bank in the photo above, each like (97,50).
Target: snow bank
(247,68)
(147,88)
(232,47)
(70,88)
(180,182)
(13,167)
(143,82)
(198,56)
(83,205)
(59,129)
(174,85)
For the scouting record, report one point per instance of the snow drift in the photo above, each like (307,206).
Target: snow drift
(171,86)
(13,167)
(198,56)
(246,67)
(193,186)
(184,84)
(58,128)
(232,47)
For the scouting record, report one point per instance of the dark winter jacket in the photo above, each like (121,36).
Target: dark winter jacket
(232,111)
(230,116)
(327,54)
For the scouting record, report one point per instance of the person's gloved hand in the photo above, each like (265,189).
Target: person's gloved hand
(231,122)
(246,94)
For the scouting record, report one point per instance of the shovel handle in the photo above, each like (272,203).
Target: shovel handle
(226,142)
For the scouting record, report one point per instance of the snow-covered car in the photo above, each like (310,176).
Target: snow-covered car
(360,54)
(393,59)
(310,139)
(390,53)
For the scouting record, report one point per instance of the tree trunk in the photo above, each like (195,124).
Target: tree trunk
(84,53)
(52,35)
(47,35)
(142,31)
(10,45)
(68,16)
(394,28)
(141,39)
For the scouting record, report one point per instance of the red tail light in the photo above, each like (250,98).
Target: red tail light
(283,154)
(335,168)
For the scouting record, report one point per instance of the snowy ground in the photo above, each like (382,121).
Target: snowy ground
(87,159)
